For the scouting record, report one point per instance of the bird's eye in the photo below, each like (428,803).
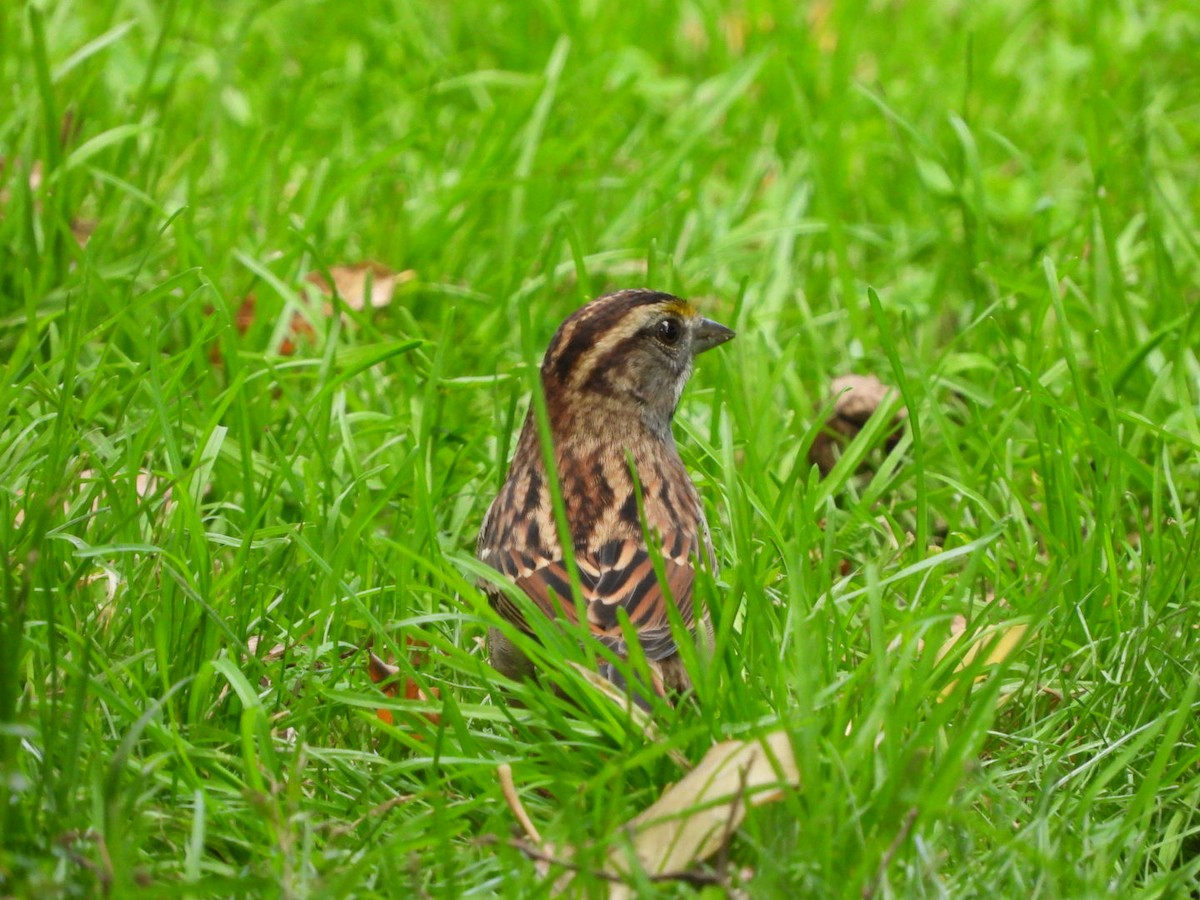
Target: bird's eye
(668,331)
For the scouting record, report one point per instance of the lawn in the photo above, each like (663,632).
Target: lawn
(223,485)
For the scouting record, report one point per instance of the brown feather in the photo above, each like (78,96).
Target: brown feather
(611,386)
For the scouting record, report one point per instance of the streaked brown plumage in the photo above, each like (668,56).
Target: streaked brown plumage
(612,377)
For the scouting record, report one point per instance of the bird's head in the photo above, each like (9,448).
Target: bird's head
(628,353)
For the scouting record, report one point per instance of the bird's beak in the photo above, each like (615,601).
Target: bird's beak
(710,334)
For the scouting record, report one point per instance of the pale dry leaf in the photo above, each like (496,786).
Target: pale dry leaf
(691,821)
(110,580)
(285,735)
(856,397)
(363,285)
(958,624)
(999,643)
(275,653)
(695,817)
(81,230)
(106,576)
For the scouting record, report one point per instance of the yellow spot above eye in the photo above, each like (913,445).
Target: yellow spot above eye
(681,308)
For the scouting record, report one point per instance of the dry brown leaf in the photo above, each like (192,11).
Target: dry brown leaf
(275,653)
(363,285)
(856,399)
(694,818)
(81,230)
(300,330)
(384,674)
(958,625)
(691,821)
(244,317)
(999,642)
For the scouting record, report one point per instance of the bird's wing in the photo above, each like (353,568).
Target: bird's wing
(620,575)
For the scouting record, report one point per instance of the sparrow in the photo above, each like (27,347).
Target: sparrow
(612,378)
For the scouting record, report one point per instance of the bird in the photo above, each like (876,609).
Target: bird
(612,378)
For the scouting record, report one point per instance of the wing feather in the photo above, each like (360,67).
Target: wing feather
(620,576)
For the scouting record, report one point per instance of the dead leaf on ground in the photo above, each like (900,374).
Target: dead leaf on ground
(300,331)
(691,821)
(365,285)
(999,643)
(362,285)
(857,397)
(109,580)
(148,494)
(275,653)
(386,675)
(697,816)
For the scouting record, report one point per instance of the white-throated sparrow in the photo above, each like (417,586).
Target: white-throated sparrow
(612,377)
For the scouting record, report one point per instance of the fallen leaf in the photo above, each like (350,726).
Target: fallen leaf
(110,580)
(300,331)
(856,399)
(385,675)
(999,643)
(81,230)
(958,625)
(363,285)
(381,672)
(698,815)
(275,653)
(691,821)
(244,317)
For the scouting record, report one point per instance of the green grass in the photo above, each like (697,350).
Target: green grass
(1017,181)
